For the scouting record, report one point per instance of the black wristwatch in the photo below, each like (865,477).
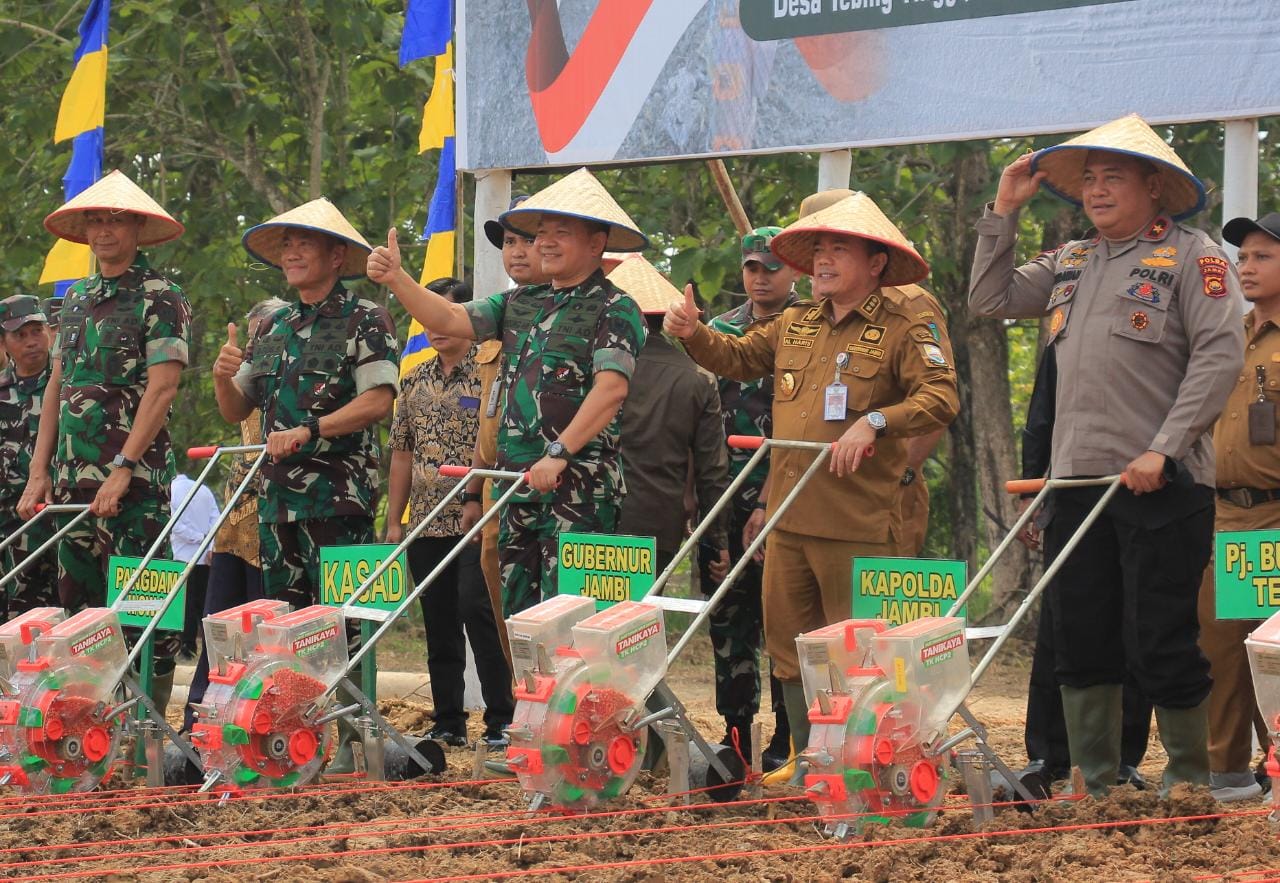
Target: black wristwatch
(469,497)
(558,451)
(123,462)
(761,504)
(312,424)
(908,476)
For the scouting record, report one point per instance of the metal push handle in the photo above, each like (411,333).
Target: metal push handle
(81,511)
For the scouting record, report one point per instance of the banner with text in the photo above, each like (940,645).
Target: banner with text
(902,589)
(605,567)
(1246,573)
(590,81)
(344,568)
(144,598)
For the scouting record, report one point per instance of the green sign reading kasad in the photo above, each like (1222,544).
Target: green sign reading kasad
(783,19)
(902,589)
(344,568)
(144,598)
(1246,572)
(605,567)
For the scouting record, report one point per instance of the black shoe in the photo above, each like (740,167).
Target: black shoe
(447,736)
(770,760)
(496,739)
(743,726)
(188,653)
(1128,775)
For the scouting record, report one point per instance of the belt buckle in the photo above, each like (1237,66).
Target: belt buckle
(1240,496)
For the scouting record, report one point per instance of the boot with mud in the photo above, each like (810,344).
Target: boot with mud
(792,772)
(1094,716)
(1184,732)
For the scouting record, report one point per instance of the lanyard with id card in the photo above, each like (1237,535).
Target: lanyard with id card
(1262,412)
(836,400)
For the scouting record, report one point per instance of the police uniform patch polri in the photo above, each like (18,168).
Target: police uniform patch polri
(1145,292)
(1213,270)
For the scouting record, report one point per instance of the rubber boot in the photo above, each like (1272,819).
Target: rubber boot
(1184,732)
(743,726)
(792,772)
(344,761)
(1094,716)
(162,685)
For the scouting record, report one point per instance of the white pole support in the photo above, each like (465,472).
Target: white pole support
(1239,173)
(834,168)
(493,195)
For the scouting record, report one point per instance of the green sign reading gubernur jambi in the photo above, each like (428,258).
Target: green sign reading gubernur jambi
(144,598)
(1246,572)
(605,567)
(782,19)
(343,569)
(902,589)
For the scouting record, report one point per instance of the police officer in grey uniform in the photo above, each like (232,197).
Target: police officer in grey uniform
(1145,319)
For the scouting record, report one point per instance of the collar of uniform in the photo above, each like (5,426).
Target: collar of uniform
(871,306)
(8,376)
(597,278)
(336,303)
(39,380)
(99,288)
(466,365)
(1252,329)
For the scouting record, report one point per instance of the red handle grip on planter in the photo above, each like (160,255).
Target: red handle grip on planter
(203,452)
(746,442)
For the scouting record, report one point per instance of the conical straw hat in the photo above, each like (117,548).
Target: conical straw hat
(578,195)
(1184,194)
(113,192)
(266,241)
(857,215)
(641,279)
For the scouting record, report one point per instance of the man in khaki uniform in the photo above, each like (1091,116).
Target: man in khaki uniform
(856,370)
(1149,344)
(1248,476)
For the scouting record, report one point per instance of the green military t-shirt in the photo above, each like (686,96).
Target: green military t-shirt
(553,344)
(311,359)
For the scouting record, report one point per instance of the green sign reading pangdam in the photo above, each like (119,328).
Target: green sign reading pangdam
(1246,571)
(606,567)
(147,593)
(902,589)
(782,19)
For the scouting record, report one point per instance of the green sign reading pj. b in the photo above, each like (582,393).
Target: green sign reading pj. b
(902,589)
(1246,570)
(605,567)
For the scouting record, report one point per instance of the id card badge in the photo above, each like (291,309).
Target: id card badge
(495,395)
(836,402)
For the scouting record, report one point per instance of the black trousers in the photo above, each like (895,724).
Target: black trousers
(1124,602)
(458,598)
(232,581)
(197,588)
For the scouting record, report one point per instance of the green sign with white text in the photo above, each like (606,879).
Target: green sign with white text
(605,567)
(147,593)
(1246,573)
(344,568)
(902,589)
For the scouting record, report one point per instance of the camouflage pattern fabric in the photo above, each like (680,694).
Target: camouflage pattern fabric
(736,627)
(37,586)
(553,343)
(527,546)
(111,332)
(747,407)
(21,399)
(311,359)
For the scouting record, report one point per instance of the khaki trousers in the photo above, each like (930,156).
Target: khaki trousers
(489,566)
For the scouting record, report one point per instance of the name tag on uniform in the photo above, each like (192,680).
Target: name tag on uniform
(836,402)
(495,393)
(469,403)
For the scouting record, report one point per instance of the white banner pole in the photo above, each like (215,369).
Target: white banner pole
(1239,173)
(834,168)
(493,195)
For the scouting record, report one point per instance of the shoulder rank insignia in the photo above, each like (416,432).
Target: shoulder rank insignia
(1162,257)
(872,334)
(812,314)
(923,335)
(870,305)
(1159,227)
(1213,271)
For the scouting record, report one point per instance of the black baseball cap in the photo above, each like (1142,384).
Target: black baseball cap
(494,231)
(1235,230)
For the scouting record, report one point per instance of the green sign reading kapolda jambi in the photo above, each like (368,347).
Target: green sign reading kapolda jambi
(899,590)
(780,19)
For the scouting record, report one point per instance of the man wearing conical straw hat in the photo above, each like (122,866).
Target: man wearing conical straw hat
(121,348)
(569,348)
(856,370)
(1144,318)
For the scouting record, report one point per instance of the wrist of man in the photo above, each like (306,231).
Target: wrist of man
(469,497)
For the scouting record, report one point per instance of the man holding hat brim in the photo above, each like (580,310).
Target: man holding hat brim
(22,386)
(569,348)
(1145,324)
(1248,478)
(118,359)
(856,370)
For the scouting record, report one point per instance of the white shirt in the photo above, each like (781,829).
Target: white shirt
(195,523)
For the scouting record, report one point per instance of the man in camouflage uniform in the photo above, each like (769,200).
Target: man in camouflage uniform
(22,385)
(737,624)
(569,349)
(121,348)
(323,372)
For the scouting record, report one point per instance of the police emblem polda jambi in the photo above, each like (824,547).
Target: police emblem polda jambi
(1213,271)
(1162,257)
(1145,292)
(1140,320)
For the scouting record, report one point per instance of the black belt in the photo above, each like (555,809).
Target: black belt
(1248,497)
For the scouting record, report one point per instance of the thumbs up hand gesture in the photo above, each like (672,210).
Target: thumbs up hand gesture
(384,261)
(229,357)
(682,316)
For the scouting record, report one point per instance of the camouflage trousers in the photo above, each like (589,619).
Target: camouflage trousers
(85,553)
(527,546)
(37,585)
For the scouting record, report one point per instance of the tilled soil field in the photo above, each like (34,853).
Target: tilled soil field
(454,828)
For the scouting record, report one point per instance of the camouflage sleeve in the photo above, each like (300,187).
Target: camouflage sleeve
(242,379)
(620,336)
(486,315)
(377,352)
(168,326)
(401,437)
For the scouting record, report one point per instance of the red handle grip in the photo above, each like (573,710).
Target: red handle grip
(1025,486)
(453,470)
(203,452)
(746,442)
(33,627)
(40,506)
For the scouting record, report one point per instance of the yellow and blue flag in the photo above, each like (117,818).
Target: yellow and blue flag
(428,27)
(80,118)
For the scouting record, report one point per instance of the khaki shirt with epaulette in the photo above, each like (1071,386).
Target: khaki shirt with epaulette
(895,366)
(1147,335)
(1240,462)
(488,364)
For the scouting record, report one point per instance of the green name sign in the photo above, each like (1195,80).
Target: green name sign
(902,589)
(783,19)
(605,567)
(144,598)
(344,568)
(1246,573)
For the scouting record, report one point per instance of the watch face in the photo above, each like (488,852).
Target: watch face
(876,419)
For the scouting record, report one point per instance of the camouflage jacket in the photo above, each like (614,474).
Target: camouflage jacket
(553,343)
(311,359)
(109,333)
(746,407)
(21,399)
